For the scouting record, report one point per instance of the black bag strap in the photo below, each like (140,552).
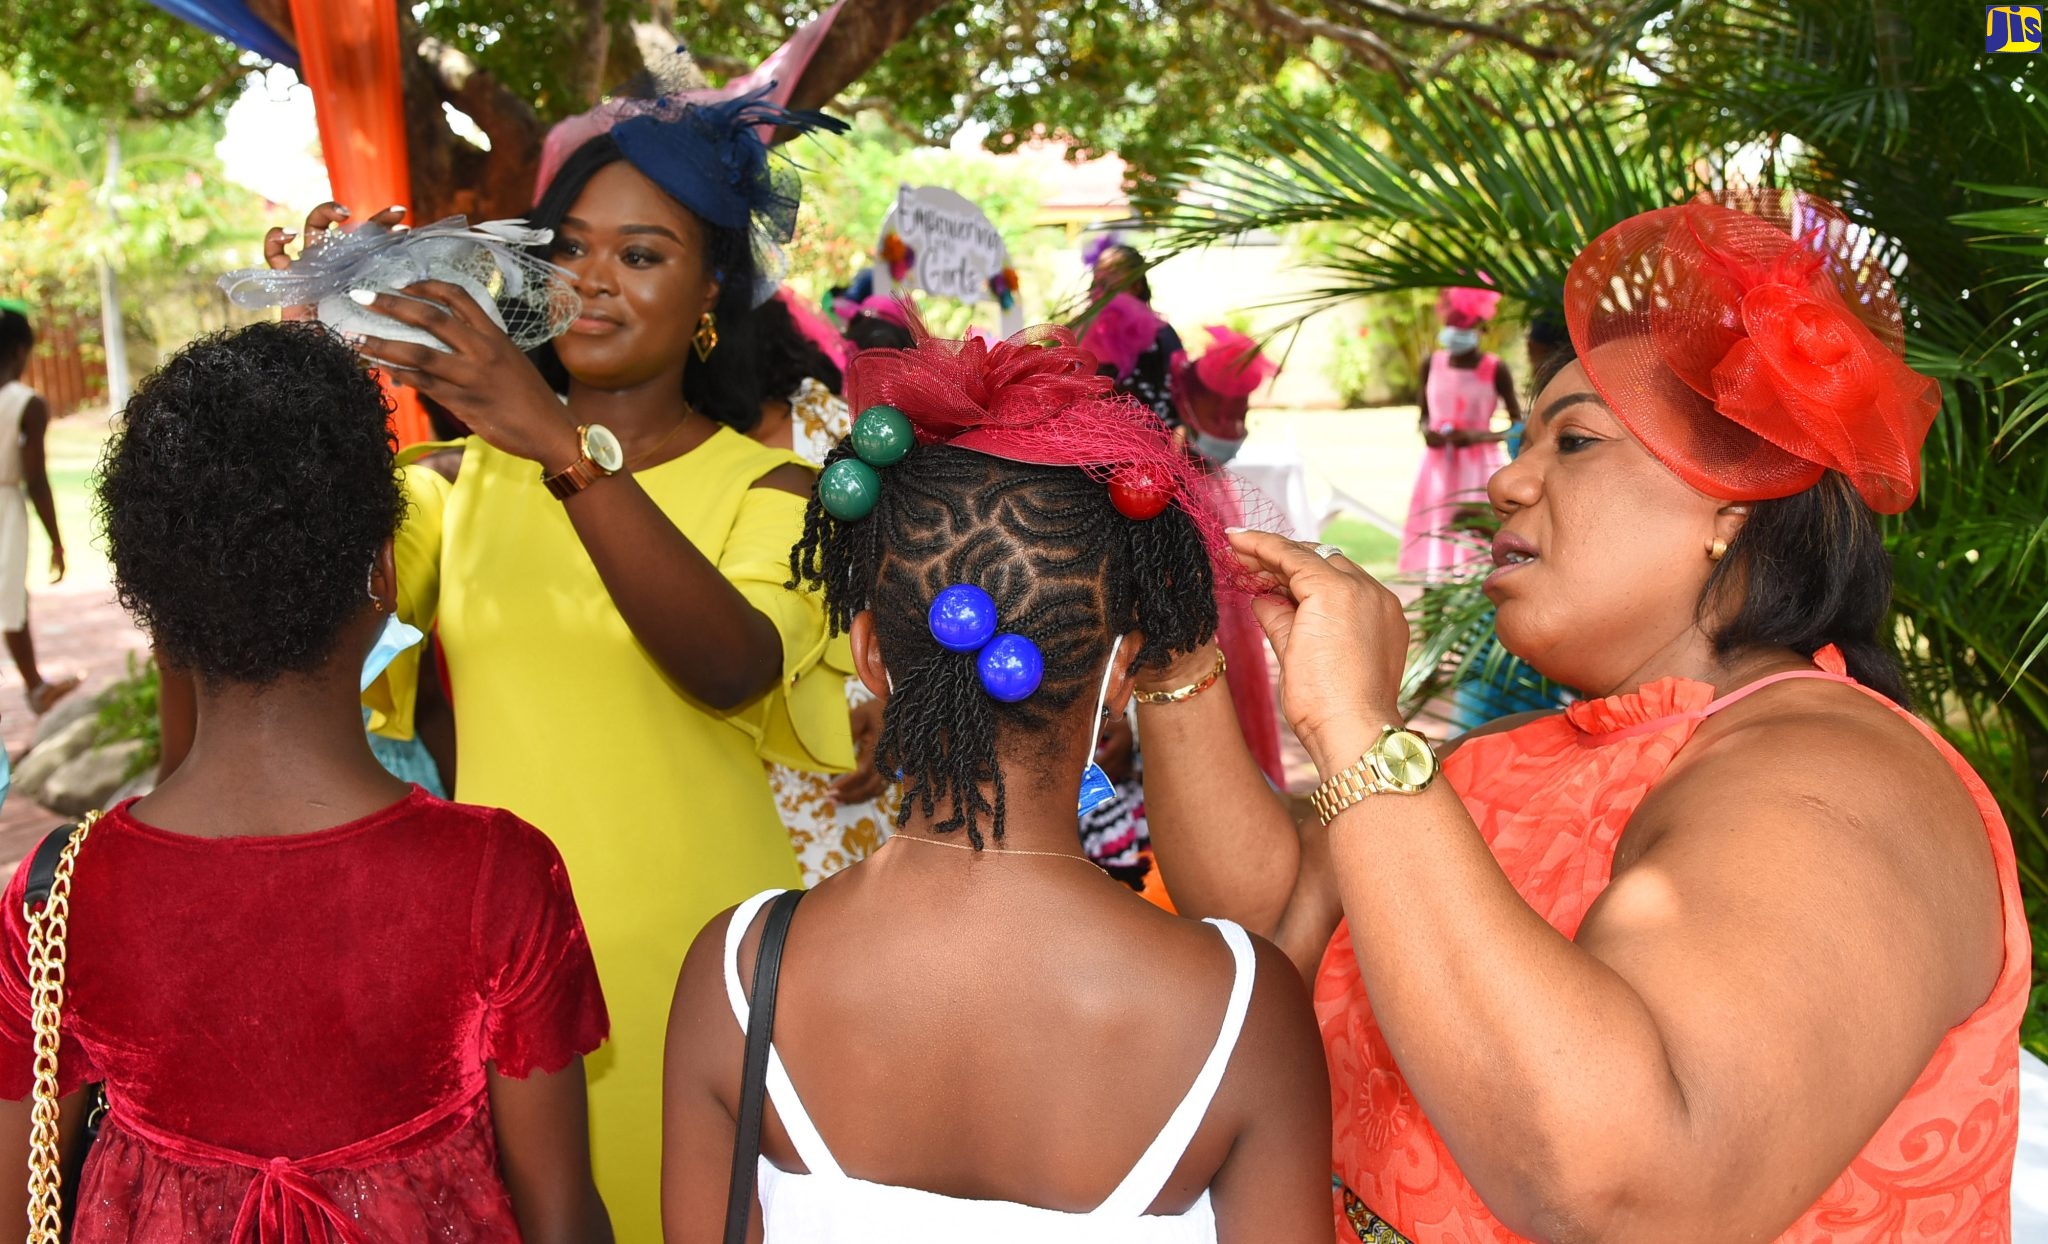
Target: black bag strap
(42,869)
(746,1143)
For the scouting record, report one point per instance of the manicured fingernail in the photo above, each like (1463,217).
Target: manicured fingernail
(287,235)
(1231,531)
(363,296)
(400,228)
(341,211)
(395,207)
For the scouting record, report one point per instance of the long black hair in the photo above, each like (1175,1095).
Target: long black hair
(726,386)
(1066,570)
(1805,571)
(785,356)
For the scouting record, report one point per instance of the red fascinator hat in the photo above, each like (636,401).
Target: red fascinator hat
(1753,350)
(1037,398)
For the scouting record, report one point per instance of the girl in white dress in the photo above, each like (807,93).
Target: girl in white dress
(957,1013)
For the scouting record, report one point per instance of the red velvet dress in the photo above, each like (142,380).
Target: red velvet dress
(294,1031)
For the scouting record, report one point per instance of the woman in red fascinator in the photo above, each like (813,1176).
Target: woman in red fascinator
(1732,950)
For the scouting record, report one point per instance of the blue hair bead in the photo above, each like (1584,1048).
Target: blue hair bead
(849,489)
(962,618)
(1011,668)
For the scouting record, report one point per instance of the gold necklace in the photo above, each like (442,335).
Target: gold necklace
(640,459)
(899,836)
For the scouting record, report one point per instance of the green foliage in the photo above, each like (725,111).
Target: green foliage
(117,57)
(1884,108)
(167,224)
(128,710)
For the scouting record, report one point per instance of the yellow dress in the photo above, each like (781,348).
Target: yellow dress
(659,804)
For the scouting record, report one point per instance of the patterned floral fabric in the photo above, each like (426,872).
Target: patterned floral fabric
(1552,799)
(826,834)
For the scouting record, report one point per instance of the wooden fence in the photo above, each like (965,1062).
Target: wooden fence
(67,368)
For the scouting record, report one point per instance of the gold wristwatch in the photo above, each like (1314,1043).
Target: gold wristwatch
(600,455)
(1400,763)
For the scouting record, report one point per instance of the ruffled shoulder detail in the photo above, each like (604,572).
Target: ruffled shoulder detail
(1667,699)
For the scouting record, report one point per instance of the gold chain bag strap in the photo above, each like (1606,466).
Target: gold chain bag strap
(46,995)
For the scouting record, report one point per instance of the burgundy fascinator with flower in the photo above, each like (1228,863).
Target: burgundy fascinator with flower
(1753,350)
(1037,398)
(1213,393)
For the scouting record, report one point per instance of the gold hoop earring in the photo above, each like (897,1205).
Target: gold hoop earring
(706,339)
(1717,550)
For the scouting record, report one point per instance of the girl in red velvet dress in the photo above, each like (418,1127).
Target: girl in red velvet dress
(325,1005)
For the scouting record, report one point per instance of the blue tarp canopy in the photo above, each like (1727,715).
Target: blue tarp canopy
(232,20)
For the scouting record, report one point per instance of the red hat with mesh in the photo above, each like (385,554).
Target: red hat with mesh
(1753,350)
(1036,398)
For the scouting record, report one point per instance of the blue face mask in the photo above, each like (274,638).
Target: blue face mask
(1459,340)
(1215,448)
(395,638)
(1096,788)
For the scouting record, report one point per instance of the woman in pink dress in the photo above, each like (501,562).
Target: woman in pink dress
(1461,389)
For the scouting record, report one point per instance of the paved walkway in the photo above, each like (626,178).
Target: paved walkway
(78,629)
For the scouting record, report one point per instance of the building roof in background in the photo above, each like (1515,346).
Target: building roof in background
(1076,192)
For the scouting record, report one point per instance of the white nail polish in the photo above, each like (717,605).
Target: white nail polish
(396,207)
(363,297)
(287,235)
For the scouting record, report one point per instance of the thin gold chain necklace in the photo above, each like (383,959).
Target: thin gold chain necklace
(641,459)
(958,846)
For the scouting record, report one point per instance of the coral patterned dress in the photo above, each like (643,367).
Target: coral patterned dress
(1552,799)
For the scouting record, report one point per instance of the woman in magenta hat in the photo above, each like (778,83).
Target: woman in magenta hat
(1462,387)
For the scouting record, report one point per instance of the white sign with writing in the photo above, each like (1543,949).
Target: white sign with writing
(956,249)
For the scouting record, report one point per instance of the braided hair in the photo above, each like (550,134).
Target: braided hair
(1066,570)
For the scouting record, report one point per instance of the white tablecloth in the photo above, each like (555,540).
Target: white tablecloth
(1272,465)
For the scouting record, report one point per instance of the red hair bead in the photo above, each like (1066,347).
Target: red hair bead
(1138,493)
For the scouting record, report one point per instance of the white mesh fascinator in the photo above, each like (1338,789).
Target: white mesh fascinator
(531,299)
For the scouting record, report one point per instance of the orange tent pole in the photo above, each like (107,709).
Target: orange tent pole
(348,50)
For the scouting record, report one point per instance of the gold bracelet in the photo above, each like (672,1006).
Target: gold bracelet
(1188,692)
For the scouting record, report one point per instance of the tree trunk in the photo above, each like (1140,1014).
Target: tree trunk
(450,175)
(113,335)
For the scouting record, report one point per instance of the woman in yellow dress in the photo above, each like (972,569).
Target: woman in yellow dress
(610,576)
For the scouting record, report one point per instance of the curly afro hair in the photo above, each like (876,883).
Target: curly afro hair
(1066,569)
(244,500)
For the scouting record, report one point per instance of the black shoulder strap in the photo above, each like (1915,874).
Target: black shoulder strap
(42,869)
(746,1144)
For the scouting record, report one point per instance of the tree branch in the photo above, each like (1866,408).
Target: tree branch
(1302,29)
(593,49)
(887,111)
(1457,25)
(201,99)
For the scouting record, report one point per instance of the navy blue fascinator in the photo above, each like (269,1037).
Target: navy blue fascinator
(713,158)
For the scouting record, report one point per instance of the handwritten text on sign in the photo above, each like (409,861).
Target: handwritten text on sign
(958,250)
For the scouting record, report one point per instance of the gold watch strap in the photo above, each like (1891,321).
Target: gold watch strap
(1350,785)
(1346,788)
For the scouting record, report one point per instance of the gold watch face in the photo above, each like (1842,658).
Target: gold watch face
(601,447)
(1404,761)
